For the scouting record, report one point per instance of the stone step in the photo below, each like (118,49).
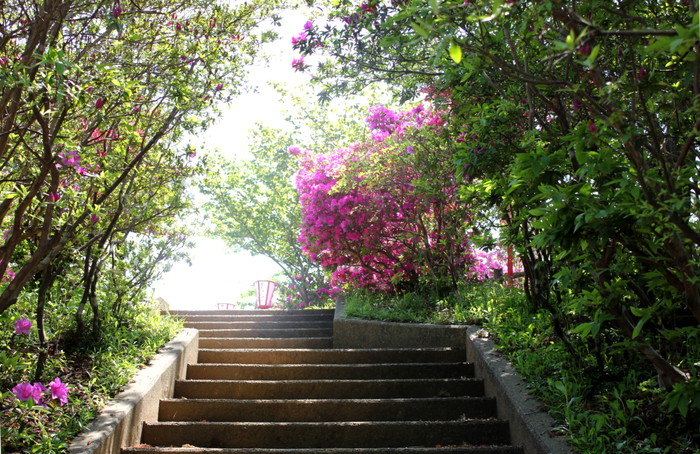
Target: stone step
(440,449)
(326,434)
(265,342)
(328,389)
(257,316)
(329,356)
(264,324)
(328,371)
(318,410)
(267,332)
(254,313)
(269,382)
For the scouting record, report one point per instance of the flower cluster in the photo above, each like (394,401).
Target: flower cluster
(487,261)
(305,41)
(9,274)
(22,326)
(381,229)
(56,390)
(384,122)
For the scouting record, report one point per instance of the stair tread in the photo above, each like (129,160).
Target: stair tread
(467,449)
(332,365)
(341,350)
(436,400)
(326,380)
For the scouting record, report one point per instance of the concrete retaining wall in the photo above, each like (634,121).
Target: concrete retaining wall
(119,423)
(530,426)
(356,333)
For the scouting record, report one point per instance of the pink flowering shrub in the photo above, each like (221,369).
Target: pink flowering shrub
(486,261)
(386,214)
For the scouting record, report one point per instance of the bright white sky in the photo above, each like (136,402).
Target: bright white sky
(217,274)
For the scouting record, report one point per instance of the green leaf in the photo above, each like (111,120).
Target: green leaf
(584,329)
(570,41)
(455,52)
(420,30)
(590,61)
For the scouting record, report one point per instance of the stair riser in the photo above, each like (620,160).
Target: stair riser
(228,325)
(259,318)
(321,435)
(289,333)
(440,450)
(327,410)
(327,389)
(329,356)
(281,342)
(328,371)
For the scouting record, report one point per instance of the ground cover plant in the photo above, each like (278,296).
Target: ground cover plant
(43,415)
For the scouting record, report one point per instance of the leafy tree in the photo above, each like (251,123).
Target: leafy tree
(95,96)
(579,122)
(254,204)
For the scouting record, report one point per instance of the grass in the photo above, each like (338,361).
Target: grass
(618,410)
(94,373)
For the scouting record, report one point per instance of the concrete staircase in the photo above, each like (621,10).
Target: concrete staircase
(269,382)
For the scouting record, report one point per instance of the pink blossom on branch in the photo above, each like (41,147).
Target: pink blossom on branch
(298,64)
(22,326)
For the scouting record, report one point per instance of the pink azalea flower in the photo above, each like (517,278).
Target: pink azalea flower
(298,64)
(22,326)
(99,103)
(69,159)
(25,391)
(94,218)
(309,25)
(54,196)
(59,391)
(9,275)
(300,38)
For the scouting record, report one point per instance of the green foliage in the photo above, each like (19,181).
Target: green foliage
(579,125)
(94,374)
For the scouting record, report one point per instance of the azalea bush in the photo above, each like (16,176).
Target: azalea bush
(43,416)
(386,214)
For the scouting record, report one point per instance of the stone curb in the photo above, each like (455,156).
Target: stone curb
(530,426)
(119,423)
